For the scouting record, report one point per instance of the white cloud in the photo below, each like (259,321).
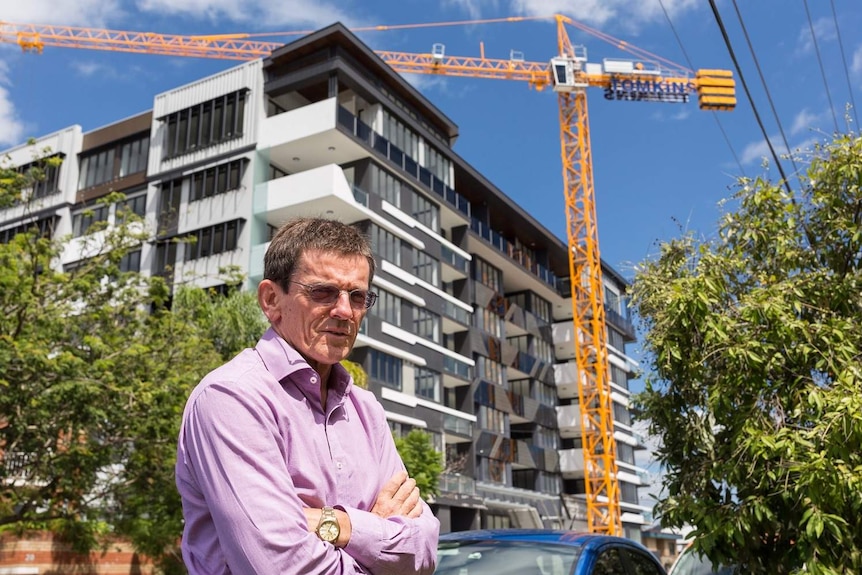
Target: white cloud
(425,82)
(856,62)
(755,152)
(11,126)
(88,68)
(803,121)
(624,13)
(473,8)
(96,13)
(314,13)
(824,30)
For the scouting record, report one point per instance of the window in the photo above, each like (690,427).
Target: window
(385,368)
(169,204)
(386,245)
(488,275)
(489,370)
(205,124)
(387,308)
(216,180)
(488,321)
(622,414)
(625,453)
(428,384)
(426,324)
(133,156)
(425,211)
(491,419)
(101,166)
(84,219)
(96,168)
(213,240)
(44,176)
(131,262)
(131,205)
(628,492)
(43,228)
(426,267)
(609,562)
(386,185)
(642,564)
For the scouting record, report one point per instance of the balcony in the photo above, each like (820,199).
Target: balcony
(457,483)
(322,190)
(563,335)
(356,127)
(307,138)
(569,420)
(566,377)
(458,429)
(505,247)
(462,372)
(572,463)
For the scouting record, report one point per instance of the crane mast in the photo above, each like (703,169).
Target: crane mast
(569,75)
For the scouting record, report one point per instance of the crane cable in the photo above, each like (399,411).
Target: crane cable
(730,50)
(765,88)
(820,63)
(844,61)
(714,114)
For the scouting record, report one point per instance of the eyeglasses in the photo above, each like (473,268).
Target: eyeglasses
(328,294)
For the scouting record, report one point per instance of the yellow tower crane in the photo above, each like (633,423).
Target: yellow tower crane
(569,73)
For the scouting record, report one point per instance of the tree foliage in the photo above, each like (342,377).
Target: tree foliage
(94,371)
(754,386)
(423,462)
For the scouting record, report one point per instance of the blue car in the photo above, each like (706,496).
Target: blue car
(541,552)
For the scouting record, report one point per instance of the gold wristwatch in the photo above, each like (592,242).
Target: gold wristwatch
(327,528)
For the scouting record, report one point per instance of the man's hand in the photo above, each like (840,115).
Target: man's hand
(399,496)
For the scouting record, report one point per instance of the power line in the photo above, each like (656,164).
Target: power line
(846,72)
(727,43)
(714,114)
(765,86)
(820,63)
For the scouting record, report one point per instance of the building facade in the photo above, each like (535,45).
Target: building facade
(471,339)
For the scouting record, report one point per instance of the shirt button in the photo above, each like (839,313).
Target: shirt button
(339,465)
(313,379)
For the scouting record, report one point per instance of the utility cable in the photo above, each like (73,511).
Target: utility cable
(765,87)
(846,72)
(714,114)
(820,63)
(720,23)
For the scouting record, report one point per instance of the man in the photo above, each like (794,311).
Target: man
(284,466)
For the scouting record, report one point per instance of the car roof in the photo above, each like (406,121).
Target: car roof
(554,536)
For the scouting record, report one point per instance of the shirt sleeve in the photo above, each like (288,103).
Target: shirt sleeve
(395,545)
(234,451)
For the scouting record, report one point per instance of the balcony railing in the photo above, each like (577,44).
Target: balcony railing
(454,259)
(458,425)
(456,483)
(455,312)
(505,247)
(619,320)
(397,156)
(459,368)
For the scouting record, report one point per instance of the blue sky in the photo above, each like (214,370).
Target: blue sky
(659,168)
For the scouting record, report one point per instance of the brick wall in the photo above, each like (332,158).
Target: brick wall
(41,553)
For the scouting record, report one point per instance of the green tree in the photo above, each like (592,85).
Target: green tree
(754,347)
(232,322)
(423,462)
(94,373)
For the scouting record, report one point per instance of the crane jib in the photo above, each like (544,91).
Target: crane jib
(649,90)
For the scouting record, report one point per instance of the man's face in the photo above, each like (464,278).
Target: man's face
(323,333)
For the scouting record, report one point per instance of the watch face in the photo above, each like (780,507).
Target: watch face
(328,531)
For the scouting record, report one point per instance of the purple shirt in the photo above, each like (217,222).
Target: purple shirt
(255,448)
